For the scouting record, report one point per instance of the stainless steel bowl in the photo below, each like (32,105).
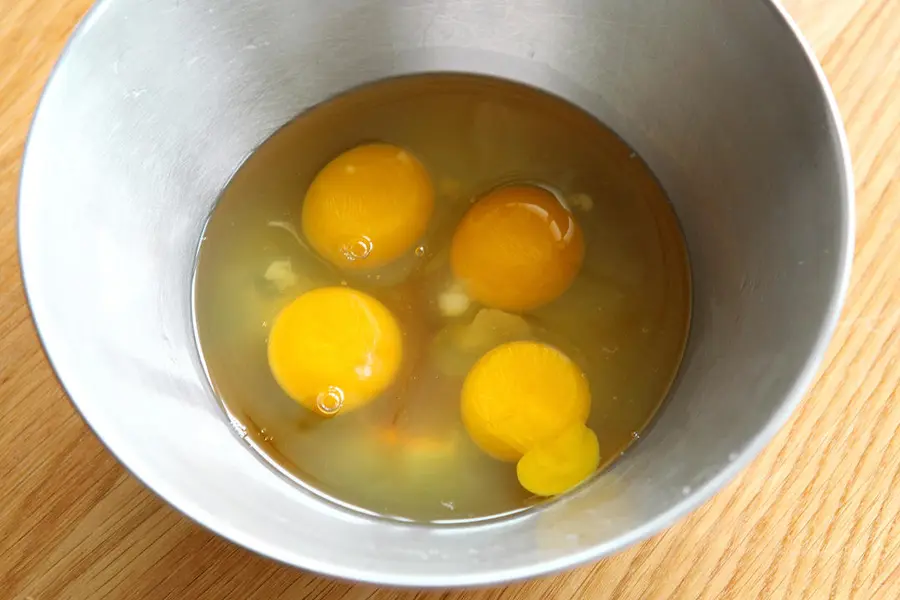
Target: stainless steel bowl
(156,102)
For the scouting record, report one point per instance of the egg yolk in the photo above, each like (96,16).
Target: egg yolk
(520,401)
(558,464)
(368,206)
(517,248)
(334,349)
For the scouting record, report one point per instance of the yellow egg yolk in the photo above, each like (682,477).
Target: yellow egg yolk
(517,248)
(558,464)
(519,401)
(368,206)
(334,349)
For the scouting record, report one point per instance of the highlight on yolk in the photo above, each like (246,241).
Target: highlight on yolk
(368,206)
(528,402)
(517,248)
(334,349)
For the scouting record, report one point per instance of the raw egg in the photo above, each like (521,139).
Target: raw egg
(368,207)
(334,349)
(520,402)
(517,248)
(558,464)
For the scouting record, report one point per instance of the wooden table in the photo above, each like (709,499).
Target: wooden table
(817,515)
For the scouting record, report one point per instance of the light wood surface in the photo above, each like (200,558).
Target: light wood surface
(817,515)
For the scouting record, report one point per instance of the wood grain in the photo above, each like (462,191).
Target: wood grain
(816,516)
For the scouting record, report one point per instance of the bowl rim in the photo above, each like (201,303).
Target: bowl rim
(689,503)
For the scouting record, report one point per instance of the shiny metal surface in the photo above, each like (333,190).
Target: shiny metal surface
(156,102)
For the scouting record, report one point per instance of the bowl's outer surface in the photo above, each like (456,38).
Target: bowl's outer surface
(155,103)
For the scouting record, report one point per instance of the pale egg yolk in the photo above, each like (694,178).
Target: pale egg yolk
(334,349)
(517,248)
(368,206)
(528,402)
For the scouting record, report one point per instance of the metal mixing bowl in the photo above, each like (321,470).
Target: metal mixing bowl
(155,103)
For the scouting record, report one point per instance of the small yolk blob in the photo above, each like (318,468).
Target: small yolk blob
(517,248)
(560,463)
(368,206)
(334,349)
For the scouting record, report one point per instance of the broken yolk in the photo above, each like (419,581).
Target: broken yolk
(521,402)
(334,349)
(558,464)
(368,206)
(519,394)
(517,248)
